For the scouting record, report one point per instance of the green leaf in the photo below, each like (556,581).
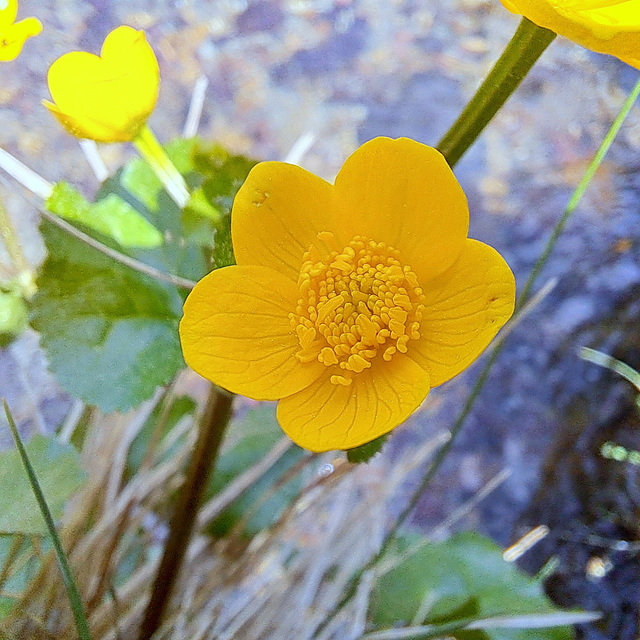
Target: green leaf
(457,608)
(183,253)
(249,439)
(225,174)
(140,181)
(13,316)
(449,574)
(111,216)
(223,247)
(110,333)
(199,205)
(57,466)
(365,452)
(214,176)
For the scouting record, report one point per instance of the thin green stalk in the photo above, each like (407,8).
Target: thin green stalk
(151,150)
(41,188)
(525,47)
(611,363)
(484,373)
(122,258)
(579,191)
(67,577)
(212,427)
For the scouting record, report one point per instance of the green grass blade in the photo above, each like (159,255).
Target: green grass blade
(609,362)
(72,590)
(578,193)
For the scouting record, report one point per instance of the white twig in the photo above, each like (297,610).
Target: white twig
(300,148)
(533,621)
(25,176)
(528,307)
(468,506)
(91,153)
(195,107)
(71,421)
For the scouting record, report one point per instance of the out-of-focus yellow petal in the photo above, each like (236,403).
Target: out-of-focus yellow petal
(8,13)
(12,38)
(326,416)
(107,98)
(277,214)
(403,193)
(464,309)
(605,26)
(236,332)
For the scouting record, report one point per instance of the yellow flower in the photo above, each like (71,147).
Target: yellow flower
(348,301)
(605,26)
(106,98)
(13,34)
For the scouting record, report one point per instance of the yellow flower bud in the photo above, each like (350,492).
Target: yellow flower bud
(605,26)
(13,34)
(106,98)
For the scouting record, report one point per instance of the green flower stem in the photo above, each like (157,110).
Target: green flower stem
(493,356)
(151,150)
(526,46)
(73,594)
(212,427)
(14,249)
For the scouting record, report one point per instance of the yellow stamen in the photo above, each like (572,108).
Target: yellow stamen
(355,303)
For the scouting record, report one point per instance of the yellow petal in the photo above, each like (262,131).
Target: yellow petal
(8,13)
(465,308)
(510,6)
(106,98)
(83,128)
(277,214)
(604,18)
(605,26)
(236,332)
(403,193)
(12,38)
(327,416)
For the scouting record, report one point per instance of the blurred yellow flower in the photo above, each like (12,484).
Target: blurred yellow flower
(106,98)
(13,34)
(605,26)
(348,301)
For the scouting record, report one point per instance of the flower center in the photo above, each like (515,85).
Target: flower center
(355,303)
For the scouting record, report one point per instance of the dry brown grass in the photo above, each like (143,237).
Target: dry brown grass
(277,586)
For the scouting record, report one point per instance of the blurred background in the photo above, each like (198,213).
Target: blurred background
(345,71)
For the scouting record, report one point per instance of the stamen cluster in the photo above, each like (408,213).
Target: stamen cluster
(354,304)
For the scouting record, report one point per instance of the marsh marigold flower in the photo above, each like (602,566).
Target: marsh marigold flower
(106,98)
(350,301)
(13,34)
(605,26)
